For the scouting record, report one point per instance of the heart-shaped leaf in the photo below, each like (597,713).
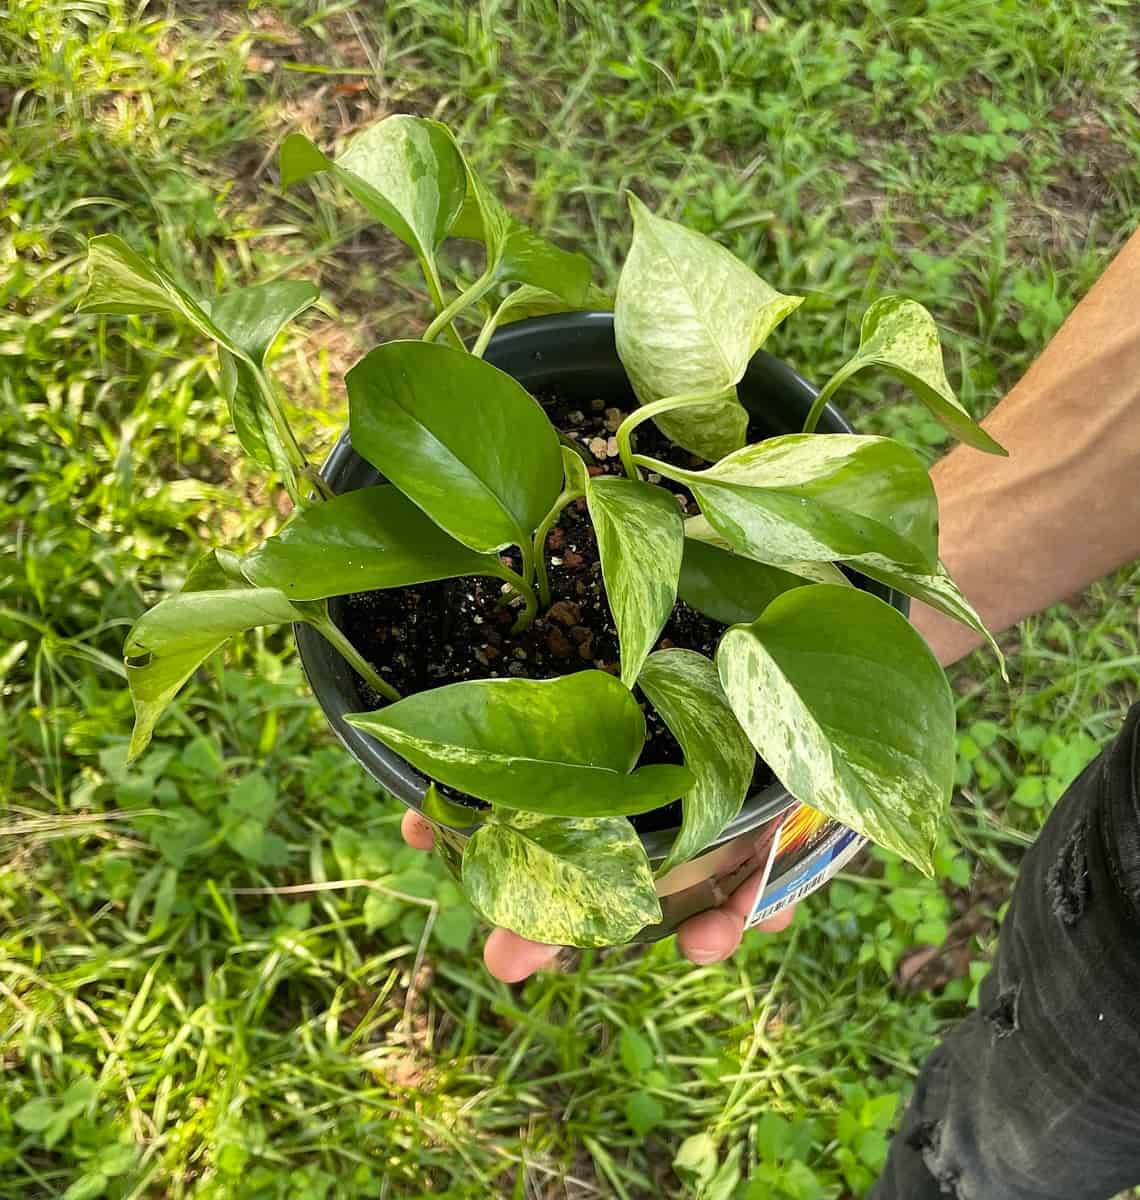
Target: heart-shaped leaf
(252,318)
(845,702)
(364,540)
(563,747)
(827,497)
(516,253)
(900,334)
(688,317)
(457,436)
(641,538)
(935,588)
(580,882)
(728,587)
(167,644)
(405,171)
(685,689)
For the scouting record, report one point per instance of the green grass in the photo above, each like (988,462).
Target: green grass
(172,1021)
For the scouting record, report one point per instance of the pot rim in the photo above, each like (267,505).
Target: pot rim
(331,679)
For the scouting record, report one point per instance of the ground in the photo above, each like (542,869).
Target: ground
(209,986)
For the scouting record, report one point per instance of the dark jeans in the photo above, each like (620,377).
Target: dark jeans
(1037,1094)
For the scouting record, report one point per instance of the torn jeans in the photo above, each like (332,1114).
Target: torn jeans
(1036,1095)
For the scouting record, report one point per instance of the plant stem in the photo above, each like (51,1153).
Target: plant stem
(431,278)
(463,300)
(539,557)
(647,411)
(325,626)
(526,591)
(489,327)
(829,389)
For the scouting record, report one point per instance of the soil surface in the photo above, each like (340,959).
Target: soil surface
(433,634)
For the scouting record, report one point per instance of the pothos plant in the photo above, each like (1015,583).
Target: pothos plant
(827,683)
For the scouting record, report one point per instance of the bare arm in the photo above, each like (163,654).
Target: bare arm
(1022,533)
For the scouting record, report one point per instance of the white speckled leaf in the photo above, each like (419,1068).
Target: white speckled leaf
(641,539)
(688,316)
(829,497)
(563,882)
(685,689)
(845,702)
(563,747)
(900,334)
(937,589)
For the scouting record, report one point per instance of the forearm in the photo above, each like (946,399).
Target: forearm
(1063,510)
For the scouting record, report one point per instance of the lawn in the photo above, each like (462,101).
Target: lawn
(221,974)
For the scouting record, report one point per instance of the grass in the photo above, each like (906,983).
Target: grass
(174,1020)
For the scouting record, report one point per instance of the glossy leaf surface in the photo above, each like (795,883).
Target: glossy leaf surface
(457,436)
(641,538)
(563,747)
(685,689)
(900,335)
(363,540)
(845,702)
(582,882)
(827,497)
(688,316)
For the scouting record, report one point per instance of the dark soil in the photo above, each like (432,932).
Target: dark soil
(438,633)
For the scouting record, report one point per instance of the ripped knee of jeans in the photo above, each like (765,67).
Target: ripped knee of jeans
(926,1140)
(1002,1019)
(1068,878)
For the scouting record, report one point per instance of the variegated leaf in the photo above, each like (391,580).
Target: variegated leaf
(581,882)
(685,689)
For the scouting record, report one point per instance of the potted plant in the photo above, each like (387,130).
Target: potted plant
(547,588)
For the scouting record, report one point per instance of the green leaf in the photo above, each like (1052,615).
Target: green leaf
(900,335)
(936,589)
(404,170)
(698,529)
(438,808)
(637,1054)
(380,910)
(845,702)
(577,478)
(562,746)
(685,689)
(87,1187)
(696,1159)
(36,1115)
(251,319)
(243,324)
(164,898)
(728,587)
(641,538)
(454,926)
(819,497)
(643,1113)
(529,301)
(167,644)
(457,436)
(253,796)
(516,253)
(364,540)
(577,882)
(688,317)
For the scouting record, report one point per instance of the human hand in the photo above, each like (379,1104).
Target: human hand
(708,937)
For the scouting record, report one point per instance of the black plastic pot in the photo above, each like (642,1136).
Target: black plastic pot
(574,354)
